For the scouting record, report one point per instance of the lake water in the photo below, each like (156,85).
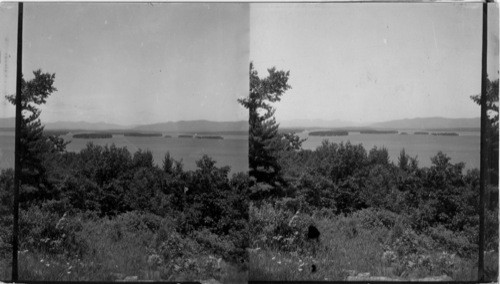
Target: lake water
(233,149)
(464,148)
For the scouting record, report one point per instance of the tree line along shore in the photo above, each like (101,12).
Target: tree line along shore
(104,135)
(345,133)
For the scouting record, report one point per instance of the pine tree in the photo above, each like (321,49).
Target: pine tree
(492,127)
(264,139)
(37,149)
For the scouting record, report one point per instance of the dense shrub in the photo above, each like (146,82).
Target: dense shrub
(378,156)
(6,201)
(339,161)
(371,218)
(116,212)
(278,228)
(425,218)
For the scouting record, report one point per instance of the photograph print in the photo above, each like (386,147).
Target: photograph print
(364,146)
(134,148)
(247,142)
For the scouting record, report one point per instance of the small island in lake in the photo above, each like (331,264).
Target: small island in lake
(93,135)
(445,134)
(56,132)
(329,133)
(137,134)
(421,133)
(378,132)
(209,137)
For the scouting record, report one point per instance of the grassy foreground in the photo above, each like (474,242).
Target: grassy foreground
(367,241)
(135,245)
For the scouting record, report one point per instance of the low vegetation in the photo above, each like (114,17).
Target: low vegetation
(109,214)
(394,220)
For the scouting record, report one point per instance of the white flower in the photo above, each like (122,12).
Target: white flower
(389,256)
(154,259)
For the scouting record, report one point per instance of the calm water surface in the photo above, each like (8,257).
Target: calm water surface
(463,148)
(233,149)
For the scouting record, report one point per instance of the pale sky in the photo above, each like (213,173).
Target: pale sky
(374,62)
(131,63)
(142,63)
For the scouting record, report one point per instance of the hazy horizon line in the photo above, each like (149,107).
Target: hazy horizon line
(239,120)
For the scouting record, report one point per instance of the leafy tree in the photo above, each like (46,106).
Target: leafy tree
(208,199)
(378,156)
(6,200)
(492,126)
(6,184)
(407,163)
(143,189)
(81,193)
(168,163)
(38,151)
(143,159)
(291,142)
(104,164)
(339,161)
(403,160)
(264,139)
(380,186)
(316,189)
(491,102)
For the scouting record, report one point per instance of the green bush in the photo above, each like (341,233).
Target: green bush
(371,218)
(453,241)
(215,243)
(275,228)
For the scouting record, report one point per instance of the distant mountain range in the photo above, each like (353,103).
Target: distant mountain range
(195,126)
(408,123)
(430,123)
(178,126)
(82,125)
(308,123)
(238,126)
